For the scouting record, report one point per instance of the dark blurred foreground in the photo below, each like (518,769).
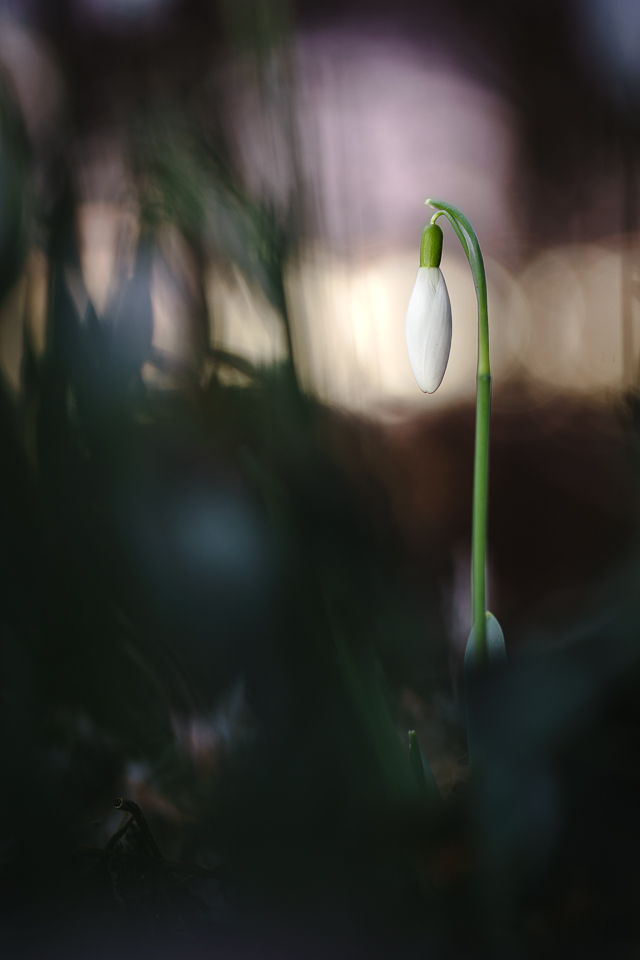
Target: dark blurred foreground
(229,604)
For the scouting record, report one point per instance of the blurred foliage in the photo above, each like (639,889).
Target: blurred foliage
(161,546)
(14,190)
(256,26)
(198,603)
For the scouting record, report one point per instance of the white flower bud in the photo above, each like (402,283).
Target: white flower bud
(428,328)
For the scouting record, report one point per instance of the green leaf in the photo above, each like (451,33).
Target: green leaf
(421,770)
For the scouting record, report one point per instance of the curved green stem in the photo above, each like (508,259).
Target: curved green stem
(471,247)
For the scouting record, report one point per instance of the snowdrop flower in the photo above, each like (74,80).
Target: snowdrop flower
(428,323)
(428,332)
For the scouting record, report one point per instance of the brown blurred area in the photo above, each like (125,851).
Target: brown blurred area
(563,501)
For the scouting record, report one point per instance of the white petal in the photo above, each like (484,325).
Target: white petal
(418,311)
(428,328)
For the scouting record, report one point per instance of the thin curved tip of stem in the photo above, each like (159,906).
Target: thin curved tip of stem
(436,205)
